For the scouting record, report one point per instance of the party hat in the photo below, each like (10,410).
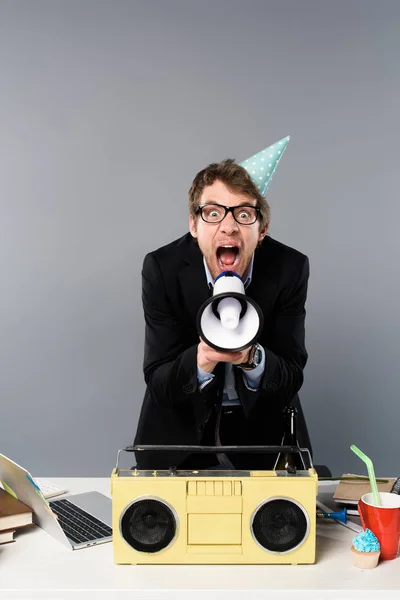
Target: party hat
(262,166)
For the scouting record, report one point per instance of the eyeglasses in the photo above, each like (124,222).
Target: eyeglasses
(215,213)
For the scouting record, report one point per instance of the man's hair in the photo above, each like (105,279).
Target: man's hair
(236,178)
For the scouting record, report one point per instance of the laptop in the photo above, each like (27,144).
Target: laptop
(78,521)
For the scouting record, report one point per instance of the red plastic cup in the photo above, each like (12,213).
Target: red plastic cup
(383,521)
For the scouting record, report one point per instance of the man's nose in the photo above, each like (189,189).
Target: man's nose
(229,225)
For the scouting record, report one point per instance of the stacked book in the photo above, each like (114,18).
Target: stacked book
(351,487)
(13,515)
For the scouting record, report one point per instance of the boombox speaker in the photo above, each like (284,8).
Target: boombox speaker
(213,517)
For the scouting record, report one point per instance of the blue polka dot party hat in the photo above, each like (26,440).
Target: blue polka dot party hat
(262,166)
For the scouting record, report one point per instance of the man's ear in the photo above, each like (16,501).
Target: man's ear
(263,233)
(192,226)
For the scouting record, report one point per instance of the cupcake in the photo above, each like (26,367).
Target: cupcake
(365,550)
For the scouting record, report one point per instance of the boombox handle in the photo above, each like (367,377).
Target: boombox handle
(218,450)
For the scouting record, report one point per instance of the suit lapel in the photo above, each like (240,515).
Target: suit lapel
(265,279)
(193,281)
(263,289)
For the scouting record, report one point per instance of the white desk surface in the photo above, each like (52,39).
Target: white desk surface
(38,566)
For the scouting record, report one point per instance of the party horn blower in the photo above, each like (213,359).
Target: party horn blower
(371,474)
(337,516)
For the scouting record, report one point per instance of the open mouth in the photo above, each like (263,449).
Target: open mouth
(227,256)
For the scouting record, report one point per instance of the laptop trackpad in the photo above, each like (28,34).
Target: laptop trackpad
(95,504)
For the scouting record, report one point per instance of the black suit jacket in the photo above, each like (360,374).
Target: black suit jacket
(174,410)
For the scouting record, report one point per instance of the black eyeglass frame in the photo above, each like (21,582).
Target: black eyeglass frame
(228,209)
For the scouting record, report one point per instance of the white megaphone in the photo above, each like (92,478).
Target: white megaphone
(229,321)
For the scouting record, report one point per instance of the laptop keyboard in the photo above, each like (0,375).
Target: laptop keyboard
(77,524)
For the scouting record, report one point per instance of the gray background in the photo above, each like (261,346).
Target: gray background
(107,111)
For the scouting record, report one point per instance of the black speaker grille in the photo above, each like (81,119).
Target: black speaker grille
(279,525)
(148,525)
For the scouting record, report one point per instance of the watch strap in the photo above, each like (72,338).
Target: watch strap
(249,365)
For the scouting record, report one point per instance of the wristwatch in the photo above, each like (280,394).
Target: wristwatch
(255,357)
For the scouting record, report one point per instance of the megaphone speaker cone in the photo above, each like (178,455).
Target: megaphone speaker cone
(217,335)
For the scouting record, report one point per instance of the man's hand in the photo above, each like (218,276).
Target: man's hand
(208,358)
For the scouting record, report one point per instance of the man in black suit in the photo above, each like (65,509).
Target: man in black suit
(196,394)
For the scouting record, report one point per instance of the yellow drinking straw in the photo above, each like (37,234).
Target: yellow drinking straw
(371,473)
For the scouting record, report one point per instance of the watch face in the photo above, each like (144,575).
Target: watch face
(257,356)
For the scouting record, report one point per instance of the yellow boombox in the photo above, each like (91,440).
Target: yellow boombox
(213,517)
